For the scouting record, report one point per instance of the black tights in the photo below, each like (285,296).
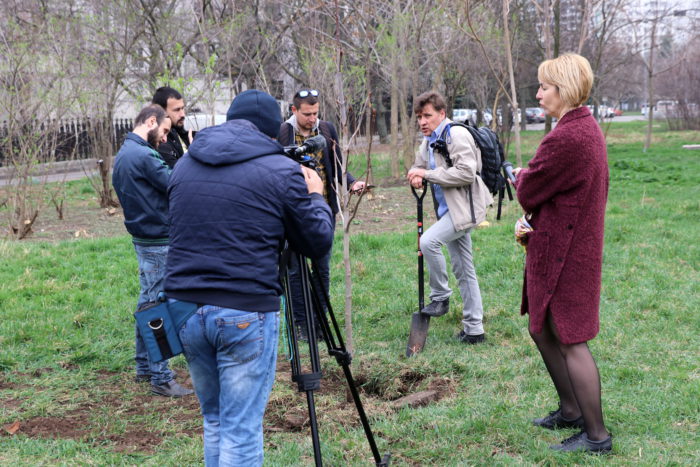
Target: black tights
(575,377)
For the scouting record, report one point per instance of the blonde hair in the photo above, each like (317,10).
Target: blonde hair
(571,74)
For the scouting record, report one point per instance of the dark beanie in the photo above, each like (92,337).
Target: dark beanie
(259,108)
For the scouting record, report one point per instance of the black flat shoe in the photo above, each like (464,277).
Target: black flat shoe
(556,420)
(580,442)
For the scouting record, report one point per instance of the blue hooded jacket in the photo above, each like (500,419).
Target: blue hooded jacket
(234,199)
(140,179)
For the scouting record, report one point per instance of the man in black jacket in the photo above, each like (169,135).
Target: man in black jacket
(303,124)
(178,139)
(140,178)
(234,199)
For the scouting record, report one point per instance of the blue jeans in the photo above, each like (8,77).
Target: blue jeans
(232,356)
(152,261)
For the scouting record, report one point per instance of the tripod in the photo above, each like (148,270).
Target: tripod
(315,300)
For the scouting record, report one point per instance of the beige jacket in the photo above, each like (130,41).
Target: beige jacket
(466,194)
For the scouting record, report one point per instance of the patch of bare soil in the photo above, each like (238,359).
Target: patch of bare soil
(288,408)
(114,415)
(123,415)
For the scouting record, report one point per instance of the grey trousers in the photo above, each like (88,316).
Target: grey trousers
(459,245)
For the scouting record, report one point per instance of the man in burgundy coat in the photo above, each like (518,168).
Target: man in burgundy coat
(564,189)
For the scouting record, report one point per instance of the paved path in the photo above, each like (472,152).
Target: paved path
(56,172)
(621,118)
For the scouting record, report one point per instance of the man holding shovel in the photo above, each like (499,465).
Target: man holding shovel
(461,199)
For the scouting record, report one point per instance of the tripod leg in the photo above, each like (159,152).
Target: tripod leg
(318,459)
(307,382)
(343,357)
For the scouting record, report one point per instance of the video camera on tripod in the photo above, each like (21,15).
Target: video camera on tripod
(301,154)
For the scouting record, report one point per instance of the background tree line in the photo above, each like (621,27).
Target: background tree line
(368,58)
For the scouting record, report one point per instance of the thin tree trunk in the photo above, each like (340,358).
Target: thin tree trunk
(511,75)
(555,53)
(650,88)
(395,153)
(343,185)
(348,287)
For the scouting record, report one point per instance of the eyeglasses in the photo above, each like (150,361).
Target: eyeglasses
(307,92)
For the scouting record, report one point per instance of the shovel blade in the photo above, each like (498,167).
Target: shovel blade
(419,333)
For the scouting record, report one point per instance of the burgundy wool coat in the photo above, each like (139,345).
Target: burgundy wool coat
(565,189)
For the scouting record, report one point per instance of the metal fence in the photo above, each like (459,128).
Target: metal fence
(66,139)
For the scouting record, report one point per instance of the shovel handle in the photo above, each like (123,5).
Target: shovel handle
(419,225)
(423,191)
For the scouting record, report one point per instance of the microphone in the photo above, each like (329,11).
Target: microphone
(508,168)
(311,145)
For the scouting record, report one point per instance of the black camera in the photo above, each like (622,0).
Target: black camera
(301,153)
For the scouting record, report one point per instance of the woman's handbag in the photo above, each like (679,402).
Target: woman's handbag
(522,229)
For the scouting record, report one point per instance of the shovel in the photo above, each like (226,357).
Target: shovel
(419,322)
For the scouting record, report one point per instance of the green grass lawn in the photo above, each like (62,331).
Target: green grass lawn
(66,344)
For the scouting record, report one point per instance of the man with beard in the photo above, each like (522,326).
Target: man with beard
(178,139)
(140,178)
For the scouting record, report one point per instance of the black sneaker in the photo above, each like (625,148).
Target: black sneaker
(580,442)
(170,389)
(437,308)
(302,334)
(471,339)
(556,420)
(142,379)
(146,378)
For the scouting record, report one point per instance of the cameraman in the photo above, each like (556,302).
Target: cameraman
(234,199)
(302,125)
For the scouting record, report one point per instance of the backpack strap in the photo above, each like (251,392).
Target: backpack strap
(285,134)
(325,130)
(441,143)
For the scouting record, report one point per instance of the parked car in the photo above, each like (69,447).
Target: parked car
(603,111)
(513,118)
(469,116)
(534,115)
(461,115)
